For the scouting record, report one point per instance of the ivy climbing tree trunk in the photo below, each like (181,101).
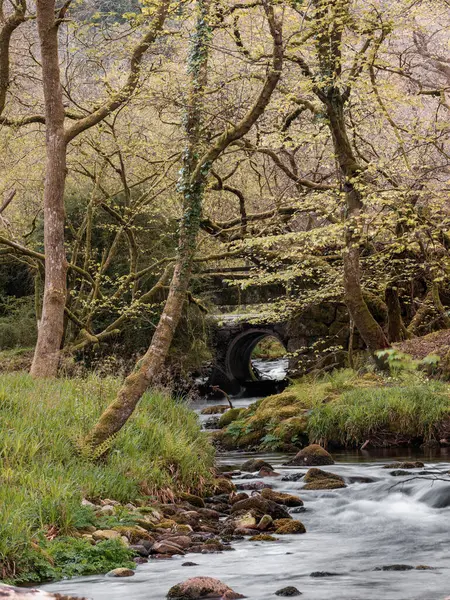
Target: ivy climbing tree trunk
(51,325)
(197,164)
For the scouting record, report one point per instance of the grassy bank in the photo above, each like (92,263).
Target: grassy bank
(43,478)
(344,409)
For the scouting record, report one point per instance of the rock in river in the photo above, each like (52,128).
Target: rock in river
(121,572)
(313,455)
(255,464)
(288,591)
(260,506)
(280,498)
(202,587)
(316,479)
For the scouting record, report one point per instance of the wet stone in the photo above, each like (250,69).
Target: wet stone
(324,574)
(293,477)
(288,592)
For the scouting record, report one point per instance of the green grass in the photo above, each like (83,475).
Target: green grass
(405,413)
(43,479)
(346,408)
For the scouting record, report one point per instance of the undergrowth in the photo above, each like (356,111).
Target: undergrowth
(43,478)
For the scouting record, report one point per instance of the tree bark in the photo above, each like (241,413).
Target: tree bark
(51,327)
(194,175)
(330,20)
(396,328)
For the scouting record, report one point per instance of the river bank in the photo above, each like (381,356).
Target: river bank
(343,410)
(155,530)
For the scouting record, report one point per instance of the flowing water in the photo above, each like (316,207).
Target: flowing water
(376,521)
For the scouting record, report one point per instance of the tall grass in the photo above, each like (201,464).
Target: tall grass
(42,477)
(406,412)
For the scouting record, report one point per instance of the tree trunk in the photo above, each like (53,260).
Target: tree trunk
(396,328)
(369,329)
(150,366)
(194,175)
(51,327)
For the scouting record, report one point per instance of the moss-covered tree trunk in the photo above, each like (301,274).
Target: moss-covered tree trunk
(331,18)
(197,163)
(370,331)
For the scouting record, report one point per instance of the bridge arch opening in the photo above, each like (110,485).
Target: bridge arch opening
(245,365)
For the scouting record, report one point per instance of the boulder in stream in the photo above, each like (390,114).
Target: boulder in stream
(120,572)
(416,464)
(316,479)
(255,464)
(312,456)
(280,498)
(197,588)
(394,568)
(288,592)
(260,506)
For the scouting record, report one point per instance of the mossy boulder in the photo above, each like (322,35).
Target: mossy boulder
(233,414)
(255,464)
(192,499)
(263,537)
(280,498)
(313,455)
(316,479)
(134,534)
(222,485)
(417,464)
(288,527)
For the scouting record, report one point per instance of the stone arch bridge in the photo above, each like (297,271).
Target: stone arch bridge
(235,336)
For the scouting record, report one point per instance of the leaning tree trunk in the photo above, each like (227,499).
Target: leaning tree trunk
(51,325)
(150,366)
(194,175)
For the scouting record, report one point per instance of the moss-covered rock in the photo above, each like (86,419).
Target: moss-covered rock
(217,409)
(316,479)
(233,414)
(192,499)
(292,430)
(222,485)
(263,537)
(280,498)
(255,464)
(289,527)
(417,464)
(313,455)
(134,534)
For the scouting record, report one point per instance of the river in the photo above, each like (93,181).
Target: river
(377,521)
